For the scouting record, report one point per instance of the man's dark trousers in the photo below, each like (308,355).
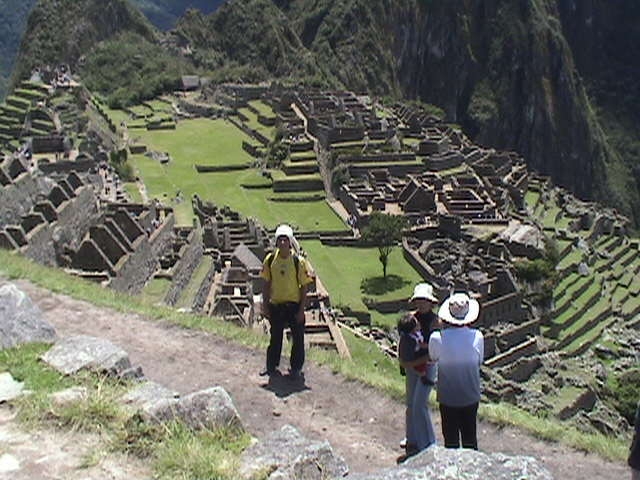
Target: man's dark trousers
(283,315)
(459,423)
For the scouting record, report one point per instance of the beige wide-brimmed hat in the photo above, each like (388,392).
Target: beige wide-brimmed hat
(423,290)
(459,309)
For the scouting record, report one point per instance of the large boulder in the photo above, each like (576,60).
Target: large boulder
(72,354)
(20,320)
(287,455)
(208,409)
(437,463)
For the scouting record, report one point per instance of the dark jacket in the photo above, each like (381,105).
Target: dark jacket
(634,454)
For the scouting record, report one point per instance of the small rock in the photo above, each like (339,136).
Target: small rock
(68,396)
(9,463)
(9,388)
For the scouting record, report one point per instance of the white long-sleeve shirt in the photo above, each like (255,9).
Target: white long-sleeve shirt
(459,352)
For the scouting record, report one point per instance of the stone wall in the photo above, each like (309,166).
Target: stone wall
(190,258)
(425,271)
(507,308)
(397,170)
(74,218)
(135,269)
(67,166)
(520,333)
(525,349)
(200,298)
(522,369)
(17,198)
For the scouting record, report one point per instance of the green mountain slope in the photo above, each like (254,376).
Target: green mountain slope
(165,13)
(66,30)
(13,18)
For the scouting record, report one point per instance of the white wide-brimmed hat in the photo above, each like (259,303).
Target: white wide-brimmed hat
(423,290)
(459,309)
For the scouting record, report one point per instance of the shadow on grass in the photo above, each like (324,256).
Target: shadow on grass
(382,285)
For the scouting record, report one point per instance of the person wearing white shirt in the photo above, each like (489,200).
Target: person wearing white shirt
(459,352)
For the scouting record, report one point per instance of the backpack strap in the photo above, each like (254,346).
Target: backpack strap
(296,261)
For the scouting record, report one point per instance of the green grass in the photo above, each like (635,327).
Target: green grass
(23,364)
(200,141)
(183,455)
(549,220)
(376,370)
(531,198)
(589,337)
(223,188)
(565,396)
(599,307)
(187,295)
(155,290)
(344,284)
(262,108)
(134,193)
(269,132)
(574,257)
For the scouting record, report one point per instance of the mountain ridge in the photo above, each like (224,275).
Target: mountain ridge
(504,71)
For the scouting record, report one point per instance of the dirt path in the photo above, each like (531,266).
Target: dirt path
(361,424)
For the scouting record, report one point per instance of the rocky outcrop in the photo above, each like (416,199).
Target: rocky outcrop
(287,455)
(437,463)
(20,320)
(209,409)
(72,354)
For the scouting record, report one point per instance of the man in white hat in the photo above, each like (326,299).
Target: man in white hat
(459,351)
(284,300)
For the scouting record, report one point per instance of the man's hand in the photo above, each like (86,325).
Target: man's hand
(300,317)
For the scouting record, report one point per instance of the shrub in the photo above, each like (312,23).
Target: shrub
(623,393)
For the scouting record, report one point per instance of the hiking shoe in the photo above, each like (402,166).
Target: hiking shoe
(296,374)
(269,372)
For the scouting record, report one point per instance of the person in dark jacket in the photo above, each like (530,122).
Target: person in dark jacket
(418,426)
(634,453)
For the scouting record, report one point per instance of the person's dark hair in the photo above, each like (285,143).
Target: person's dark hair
(406,323)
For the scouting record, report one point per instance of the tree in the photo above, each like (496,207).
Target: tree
(384,231)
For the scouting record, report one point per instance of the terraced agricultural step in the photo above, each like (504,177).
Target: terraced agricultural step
(13,112)
(18,102)
(600,312)
(30,94)
(572,292)
(299,183)
(581,344)
(568,318)
(304,157)
(300,168)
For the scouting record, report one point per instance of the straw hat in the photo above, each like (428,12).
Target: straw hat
(423,290)
(459,310)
